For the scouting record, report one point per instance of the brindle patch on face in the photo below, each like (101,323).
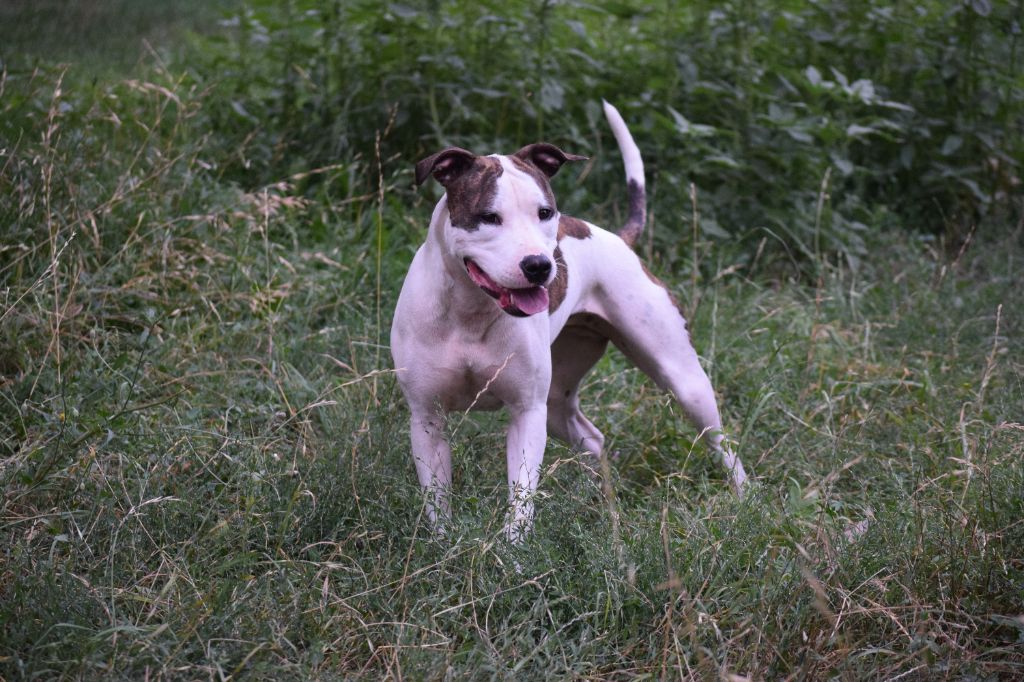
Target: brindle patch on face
(472,192)
(538,177)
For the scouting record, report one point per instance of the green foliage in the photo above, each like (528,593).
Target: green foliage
(99,36)
(804,123)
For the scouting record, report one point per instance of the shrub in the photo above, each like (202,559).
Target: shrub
(803,123)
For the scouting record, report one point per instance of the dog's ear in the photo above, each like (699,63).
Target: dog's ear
(445,165)
(547,157)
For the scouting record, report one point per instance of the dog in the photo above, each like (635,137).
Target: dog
(509,303)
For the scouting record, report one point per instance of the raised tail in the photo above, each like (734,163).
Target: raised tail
(637,195)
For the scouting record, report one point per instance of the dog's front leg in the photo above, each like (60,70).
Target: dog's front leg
(527,437)
(433,458)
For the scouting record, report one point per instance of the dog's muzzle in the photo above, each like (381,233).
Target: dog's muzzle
(519,302)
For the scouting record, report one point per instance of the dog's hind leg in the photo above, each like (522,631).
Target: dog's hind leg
(649,329)
(573,353)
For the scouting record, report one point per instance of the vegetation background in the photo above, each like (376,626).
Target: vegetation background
(206,210)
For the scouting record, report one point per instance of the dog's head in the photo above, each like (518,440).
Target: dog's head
(503,220)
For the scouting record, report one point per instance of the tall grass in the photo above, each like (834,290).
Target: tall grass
(204,458)
(100,36)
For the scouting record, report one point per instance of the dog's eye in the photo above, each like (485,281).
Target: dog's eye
(545,214)
(490,219)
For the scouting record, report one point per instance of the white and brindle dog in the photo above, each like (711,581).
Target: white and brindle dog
(509,303)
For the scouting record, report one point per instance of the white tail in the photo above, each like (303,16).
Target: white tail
(637,215)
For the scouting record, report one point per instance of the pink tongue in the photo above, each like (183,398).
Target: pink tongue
(530,301)
(527,301)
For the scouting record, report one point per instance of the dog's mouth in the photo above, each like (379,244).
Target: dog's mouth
(519,302)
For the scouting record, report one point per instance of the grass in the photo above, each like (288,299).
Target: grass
(205,467)
(100,37)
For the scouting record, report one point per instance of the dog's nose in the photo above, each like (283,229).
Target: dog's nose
(536,269)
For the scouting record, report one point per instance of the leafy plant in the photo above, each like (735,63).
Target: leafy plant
(806,125)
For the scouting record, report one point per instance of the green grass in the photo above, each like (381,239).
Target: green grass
(205,469)
(100,36)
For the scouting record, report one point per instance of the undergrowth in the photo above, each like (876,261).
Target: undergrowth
(906,114)
(204,456)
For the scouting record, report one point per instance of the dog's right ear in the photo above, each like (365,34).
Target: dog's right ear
(445,166)
(546,157)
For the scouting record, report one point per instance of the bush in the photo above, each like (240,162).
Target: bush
(803,123)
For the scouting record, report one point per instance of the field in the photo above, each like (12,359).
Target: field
(206,212)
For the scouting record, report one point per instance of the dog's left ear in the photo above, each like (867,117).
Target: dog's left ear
(547,157)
